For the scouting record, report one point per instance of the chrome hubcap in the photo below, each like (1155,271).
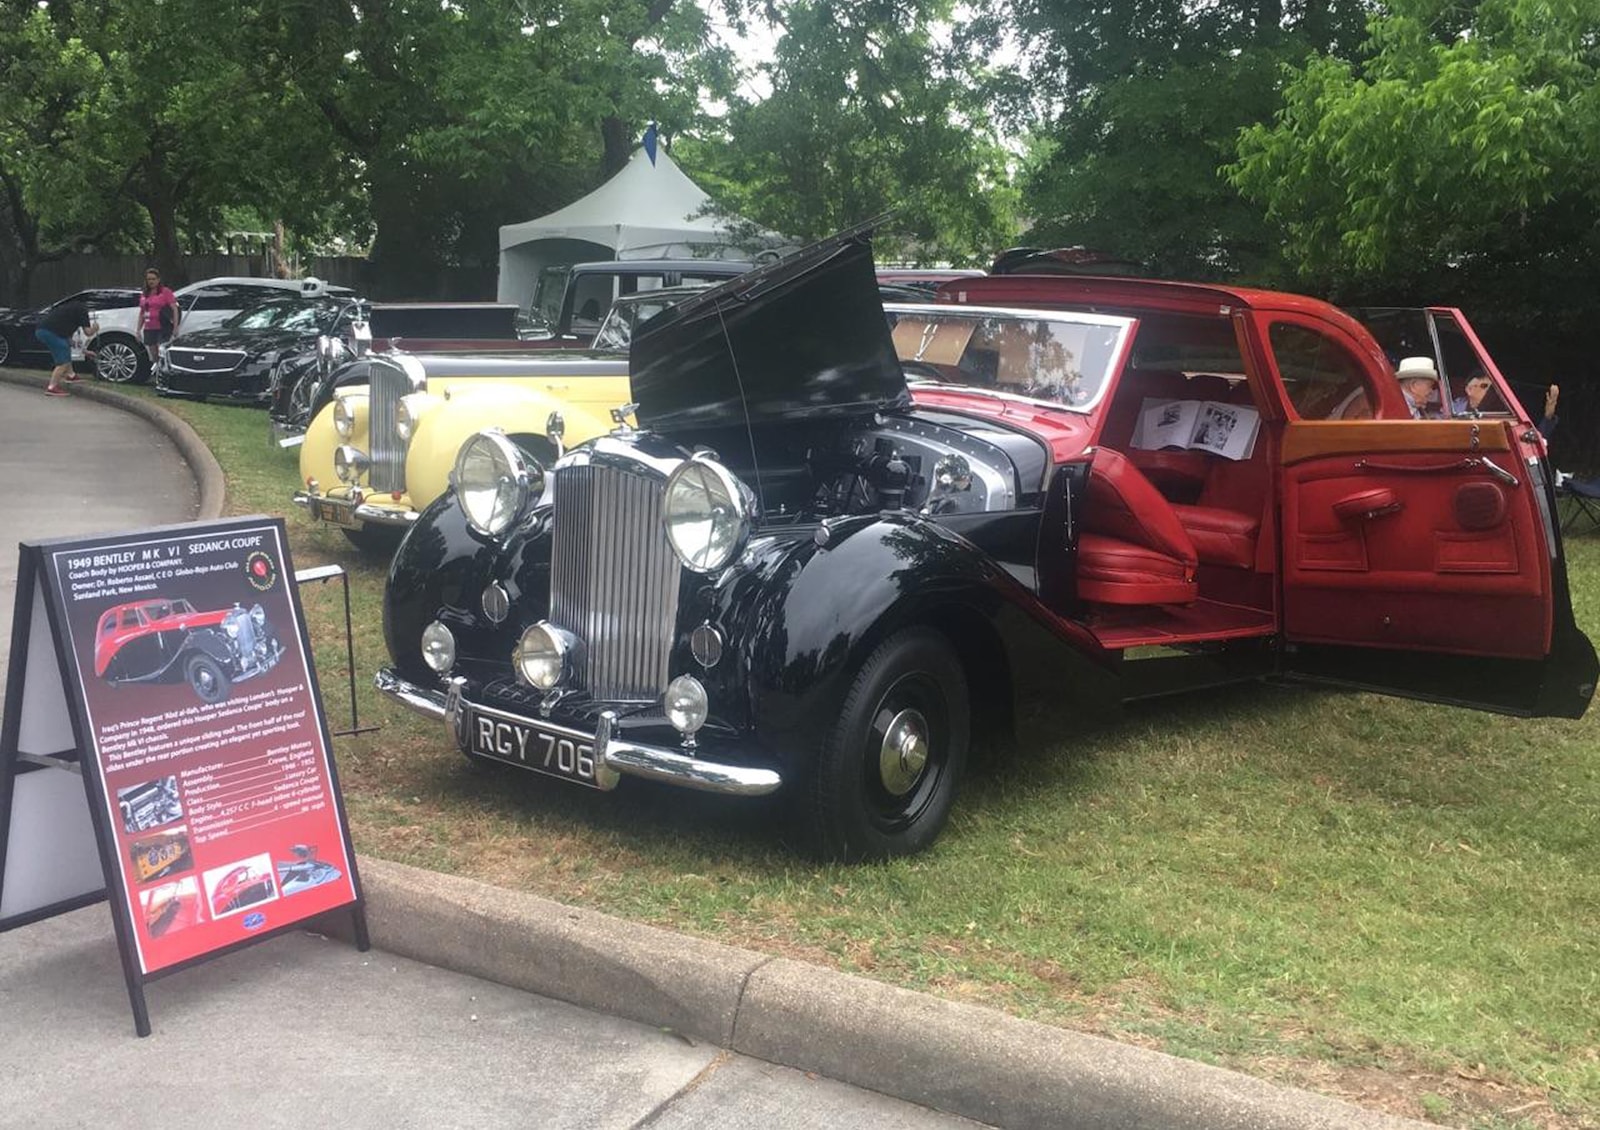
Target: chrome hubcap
(117,363)
(205,681)
(904,752)
(5,349)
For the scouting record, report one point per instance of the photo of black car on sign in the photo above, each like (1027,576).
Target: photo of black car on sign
(167,641)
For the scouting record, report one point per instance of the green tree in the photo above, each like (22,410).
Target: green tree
(1139,104)
(874,105)
(1461,151)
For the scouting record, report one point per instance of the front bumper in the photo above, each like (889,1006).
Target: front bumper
(612,751)
(352,509)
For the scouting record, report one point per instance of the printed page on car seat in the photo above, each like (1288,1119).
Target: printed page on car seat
(1227,430)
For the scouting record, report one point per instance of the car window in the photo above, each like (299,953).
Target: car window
(211,298)
(591,298)
(108,622)
(1472,390)
(130,617)
(285,314)
(552,289)
(1322,378)
(1063,359)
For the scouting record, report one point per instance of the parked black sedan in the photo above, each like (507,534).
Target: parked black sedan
(234,361)
(18,346)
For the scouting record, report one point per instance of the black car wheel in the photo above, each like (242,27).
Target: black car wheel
(377,541)
(206,676)
(121,361)
(887,773)
(5,349)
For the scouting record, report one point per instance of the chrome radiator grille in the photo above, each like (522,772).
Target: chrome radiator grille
(385,386)
(614,580)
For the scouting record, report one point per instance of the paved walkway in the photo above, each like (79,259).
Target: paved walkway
(69,466)
(300,1031)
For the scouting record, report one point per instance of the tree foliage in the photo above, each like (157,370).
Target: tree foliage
(1139,104)
(1461,148)
(874,105)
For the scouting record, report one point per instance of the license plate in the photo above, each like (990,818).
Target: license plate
(327,510)
(560,753)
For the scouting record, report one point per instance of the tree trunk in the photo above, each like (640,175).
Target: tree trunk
(169,256)
(619,141)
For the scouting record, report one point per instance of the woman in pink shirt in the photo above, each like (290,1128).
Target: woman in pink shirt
(158,313)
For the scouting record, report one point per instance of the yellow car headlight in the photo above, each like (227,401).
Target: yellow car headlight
(344,418)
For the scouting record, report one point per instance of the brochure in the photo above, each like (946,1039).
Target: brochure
(1228,430)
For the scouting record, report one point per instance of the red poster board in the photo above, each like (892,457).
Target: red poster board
(199,733)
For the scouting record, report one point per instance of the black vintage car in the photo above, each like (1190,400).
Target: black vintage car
(833,552)
(236,360)
(167,641)
(19,346)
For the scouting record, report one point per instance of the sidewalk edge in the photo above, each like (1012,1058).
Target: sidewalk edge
(959,1058)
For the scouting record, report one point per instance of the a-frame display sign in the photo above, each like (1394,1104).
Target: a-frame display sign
(164,745)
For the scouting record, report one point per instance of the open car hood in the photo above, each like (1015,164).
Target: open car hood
(802,339)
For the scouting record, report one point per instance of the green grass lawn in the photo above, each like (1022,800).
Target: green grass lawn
(1385,900)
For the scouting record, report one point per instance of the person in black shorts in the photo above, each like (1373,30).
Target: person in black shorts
(158,314)
(55,334)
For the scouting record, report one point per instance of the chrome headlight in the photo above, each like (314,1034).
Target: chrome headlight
(685,704)
(495,482)
(438,647)
(344,418)
(405,418)
(543,656)
(707,514)
(259,615)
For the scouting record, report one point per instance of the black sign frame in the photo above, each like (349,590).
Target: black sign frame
(36,580)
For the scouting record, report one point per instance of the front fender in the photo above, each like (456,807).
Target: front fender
(321,440)
(815,614)
(438,435)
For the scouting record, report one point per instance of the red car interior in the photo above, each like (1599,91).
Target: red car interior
(1336,528)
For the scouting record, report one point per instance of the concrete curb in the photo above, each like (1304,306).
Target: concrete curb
(962,1059)
(207,471)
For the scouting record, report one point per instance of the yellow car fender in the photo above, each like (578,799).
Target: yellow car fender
(438,436)
(316,452)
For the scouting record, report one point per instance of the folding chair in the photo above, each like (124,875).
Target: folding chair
(1581,499)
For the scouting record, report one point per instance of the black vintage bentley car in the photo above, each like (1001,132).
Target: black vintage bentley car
(833,551)
(167,641)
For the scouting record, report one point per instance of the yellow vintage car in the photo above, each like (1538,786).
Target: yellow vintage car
(378,453)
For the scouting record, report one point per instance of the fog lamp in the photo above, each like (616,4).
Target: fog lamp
(349,464)
(438,647)
(543,655)
(685,704)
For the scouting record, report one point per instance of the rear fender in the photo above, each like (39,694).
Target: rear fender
(438,435)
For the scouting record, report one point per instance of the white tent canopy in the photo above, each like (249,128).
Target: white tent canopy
(647,211)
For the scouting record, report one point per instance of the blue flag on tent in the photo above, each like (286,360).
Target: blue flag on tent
(650,142)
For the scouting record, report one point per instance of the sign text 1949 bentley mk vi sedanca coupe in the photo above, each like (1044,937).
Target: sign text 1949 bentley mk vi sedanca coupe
(839,546)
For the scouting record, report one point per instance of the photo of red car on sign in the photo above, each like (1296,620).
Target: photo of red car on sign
(167,641)
(237,886)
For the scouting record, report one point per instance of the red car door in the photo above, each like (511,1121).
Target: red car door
(1418,556)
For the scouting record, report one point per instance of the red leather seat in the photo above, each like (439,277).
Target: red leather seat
(1221,537)
(1133,549)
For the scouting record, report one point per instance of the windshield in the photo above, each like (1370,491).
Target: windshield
(286,314)
(616,332)
(1061,359)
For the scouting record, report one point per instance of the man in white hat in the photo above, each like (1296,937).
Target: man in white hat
(1419,380)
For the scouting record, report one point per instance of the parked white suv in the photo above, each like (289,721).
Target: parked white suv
(120,355)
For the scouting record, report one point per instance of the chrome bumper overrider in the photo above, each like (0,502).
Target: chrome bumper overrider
(365,511)
(611,750)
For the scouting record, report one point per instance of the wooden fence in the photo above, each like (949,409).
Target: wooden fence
(79,272)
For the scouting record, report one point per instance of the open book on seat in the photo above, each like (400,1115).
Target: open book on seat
(1228,430)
